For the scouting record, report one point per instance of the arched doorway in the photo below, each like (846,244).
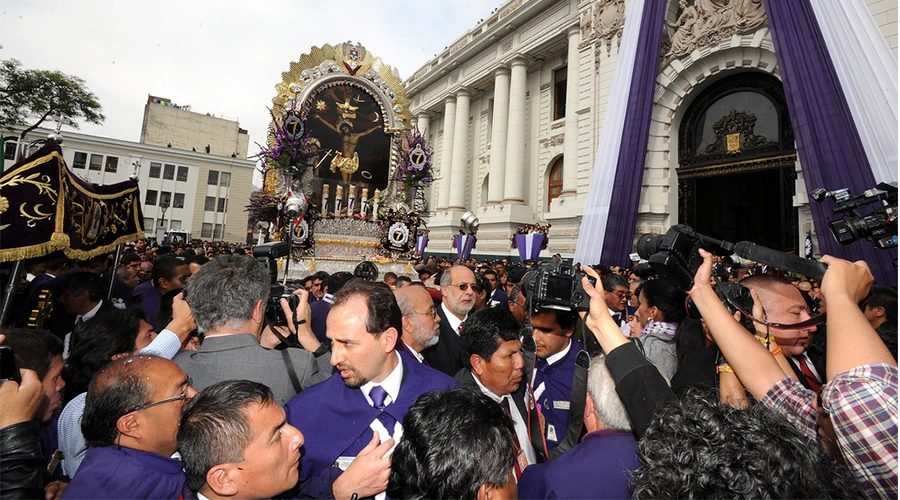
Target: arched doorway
(736,163)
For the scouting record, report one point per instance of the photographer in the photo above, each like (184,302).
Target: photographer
(228,297)
(858,415)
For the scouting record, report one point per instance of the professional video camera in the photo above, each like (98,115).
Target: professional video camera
(675,257)
(736,297)
(266,254)
(555,285)
(878,226)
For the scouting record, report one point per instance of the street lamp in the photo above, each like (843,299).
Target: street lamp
(161,230)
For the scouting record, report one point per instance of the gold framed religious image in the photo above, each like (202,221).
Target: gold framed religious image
(349,122)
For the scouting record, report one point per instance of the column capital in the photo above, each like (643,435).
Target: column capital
(465,92)
(573,31)
(502,70)
(423,114)
(450,98)
(518,61)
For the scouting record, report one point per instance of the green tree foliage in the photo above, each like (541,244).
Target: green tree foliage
(28,97)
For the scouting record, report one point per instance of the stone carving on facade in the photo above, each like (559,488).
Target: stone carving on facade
(734,134)
(602,22)
(705,22)
(556,140)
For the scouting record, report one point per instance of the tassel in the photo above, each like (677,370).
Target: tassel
(312,265)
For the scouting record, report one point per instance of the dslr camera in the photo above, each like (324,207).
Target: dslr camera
(556,285)
(266,254)
(675,255)
(878,226)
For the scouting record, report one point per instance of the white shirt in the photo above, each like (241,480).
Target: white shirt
(79,319)
(517,418)
(452,320)
(625,327)
(391,385)
(416,353)
(552,359)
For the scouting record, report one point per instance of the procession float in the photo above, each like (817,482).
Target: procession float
(345,172)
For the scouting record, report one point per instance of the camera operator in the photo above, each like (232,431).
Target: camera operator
(228,297)
(857,419)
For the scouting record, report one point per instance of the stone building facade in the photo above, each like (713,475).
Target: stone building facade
(514,111)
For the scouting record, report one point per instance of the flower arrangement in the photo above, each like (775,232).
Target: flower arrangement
(265,209)
(533,228)
(292,149)
(415,169)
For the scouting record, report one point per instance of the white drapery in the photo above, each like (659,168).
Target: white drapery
(867,70)
(596,210)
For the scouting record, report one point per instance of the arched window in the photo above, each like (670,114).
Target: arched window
(555,181)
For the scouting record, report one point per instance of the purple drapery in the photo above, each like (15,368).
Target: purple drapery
(529,245)
(464,245)
(626,195)
(421,243)
(828,143)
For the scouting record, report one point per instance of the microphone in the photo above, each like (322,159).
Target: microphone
(752,251)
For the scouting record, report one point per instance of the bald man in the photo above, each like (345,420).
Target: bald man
(420,321)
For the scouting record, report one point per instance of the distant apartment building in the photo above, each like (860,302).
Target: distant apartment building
(168,124)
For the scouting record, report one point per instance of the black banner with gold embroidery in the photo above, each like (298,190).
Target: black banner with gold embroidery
(44,207)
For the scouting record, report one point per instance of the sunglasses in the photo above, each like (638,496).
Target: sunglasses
(465,286)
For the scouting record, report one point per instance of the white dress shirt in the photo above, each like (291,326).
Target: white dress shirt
(517,418)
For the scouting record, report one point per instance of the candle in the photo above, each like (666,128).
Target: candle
(325,189)
(338,199)
(351,197)
(364,203)
(375,201)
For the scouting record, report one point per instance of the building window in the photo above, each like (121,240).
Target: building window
(148,223)
(151,197)
(182,174)
(225,179)
(9,150)
(555,184)
(155,168)
(178,201)
(218,232)
(210,204)
(206,230)
(169,172)
(80,160)
(559,93)
(96,162)
(175,225)
(112,164)
(221,207)
(213,179)
(165,198)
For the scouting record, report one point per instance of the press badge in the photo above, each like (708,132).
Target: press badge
(551,433)
(343,462)
(561,405)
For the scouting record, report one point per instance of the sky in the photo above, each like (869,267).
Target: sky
(220,57)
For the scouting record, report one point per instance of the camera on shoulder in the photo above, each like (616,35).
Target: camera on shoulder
(267,255)
(556,285)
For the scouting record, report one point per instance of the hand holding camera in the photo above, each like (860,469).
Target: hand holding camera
(598,320)
(295,307)
(19,401)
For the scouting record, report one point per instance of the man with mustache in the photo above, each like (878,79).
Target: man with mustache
(458,288)
(420,321)
(352,420)
(490,339)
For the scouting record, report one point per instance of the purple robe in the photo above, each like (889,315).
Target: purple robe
(335,419)
(113,472)
(147,297)
(554,401)
(599,467)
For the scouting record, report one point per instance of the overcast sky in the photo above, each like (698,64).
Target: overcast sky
(220,57)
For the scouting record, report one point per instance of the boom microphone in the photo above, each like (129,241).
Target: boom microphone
(752,251)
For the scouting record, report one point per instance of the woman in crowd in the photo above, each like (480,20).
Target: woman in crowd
(660,310)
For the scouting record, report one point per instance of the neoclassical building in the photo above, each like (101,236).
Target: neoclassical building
(514,110)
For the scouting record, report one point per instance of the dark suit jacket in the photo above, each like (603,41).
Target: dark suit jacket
(446,356)
(818,361)
(467,380)
(318,314)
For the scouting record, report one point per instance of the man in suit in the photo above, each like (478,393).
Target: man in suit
(228,298)
(496,295)
(784,304)
(82,298)
(495,367)
(617,299)
(351,420)
(457,289)
(421,323)
(607,451)
(169,273)
(319,308)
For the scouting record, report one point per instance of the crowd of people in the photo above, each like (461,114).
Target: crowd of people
(164,374)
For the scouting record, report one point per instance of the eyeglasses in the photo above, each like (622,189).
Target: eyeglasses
(465,286)
(433,313)
(179,397)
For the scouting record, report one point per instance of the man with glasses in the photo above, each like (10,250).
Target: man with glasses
(617,299)
(130,421)
(420,321)
(458,288)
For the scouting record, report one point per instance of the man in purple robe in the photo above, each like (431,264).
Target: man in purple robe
(130,421)
(351,421)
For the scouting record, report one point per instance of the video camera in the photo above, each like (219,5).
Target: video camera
(878,226)
(675,257)
(556,285)
(266,254)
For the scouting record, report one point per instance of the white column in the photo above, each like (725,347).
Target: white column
(458,174)
(570,148)
(423,120)
(499,124)
(446,152)
(514,183)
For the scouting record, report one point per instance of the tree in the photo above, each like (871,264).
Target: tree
(31,96)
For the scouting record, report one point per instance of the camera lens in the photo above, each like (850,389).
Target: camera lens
(648,244)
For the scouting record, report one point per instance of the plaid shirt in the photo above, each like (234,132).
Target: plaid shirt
(862,404)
